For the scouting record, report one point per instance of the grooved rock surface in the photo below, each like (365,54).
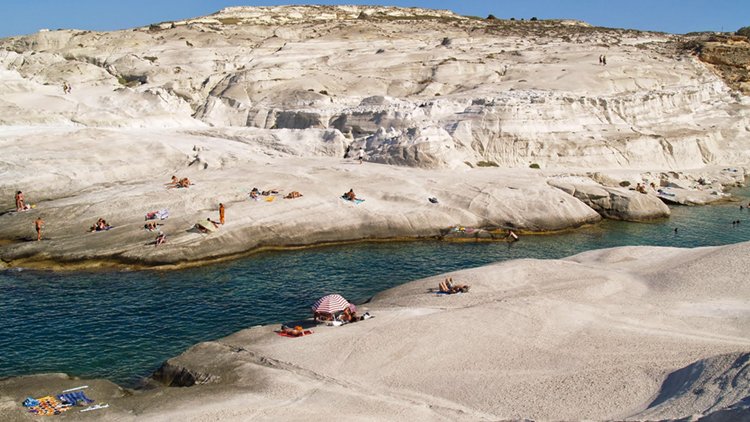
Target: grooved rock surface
(441,105)
(614,202)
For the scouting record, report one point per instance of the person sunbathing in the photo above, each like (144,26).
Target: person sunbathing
(293,194)
(184,183)
(447,286)
(350,196)
(297,331)
(173,182)
(150,226)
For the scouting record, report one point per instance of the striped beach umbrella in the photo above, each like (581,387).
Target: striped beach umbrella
(330,304)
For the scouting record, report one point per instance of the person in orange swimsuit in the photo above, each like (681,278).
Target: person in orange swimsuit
(221,213)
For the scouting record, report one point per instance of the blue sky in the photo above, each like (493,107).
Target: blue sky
(675,16)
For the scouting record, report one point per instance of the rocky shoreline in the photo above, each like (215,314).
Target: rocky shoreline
(610,338)
(396,207)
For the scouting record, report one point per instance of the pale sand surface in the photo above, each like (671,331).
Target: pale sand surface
(592,337)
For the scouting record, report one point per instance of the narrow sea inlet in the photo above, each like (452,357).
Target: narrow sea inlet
(122,325)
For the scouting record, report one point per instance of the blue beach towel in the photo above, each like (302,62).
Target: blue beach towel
(74,397)
(356,201)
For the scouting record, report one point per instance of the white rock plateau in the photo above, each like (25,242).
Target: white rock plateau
(444,106)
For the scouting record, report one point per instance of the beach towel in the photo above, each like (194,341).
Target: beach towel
(48,406)
(356,201)
(74,397)
(160,214)
(206,225)
(270,198)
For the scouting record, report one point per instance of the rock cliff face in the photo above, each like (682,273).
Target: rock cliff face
(480,114)
(413,87)
(730,56)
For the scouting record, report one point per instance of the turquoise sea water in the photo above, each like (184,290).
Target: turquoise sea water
(122,325)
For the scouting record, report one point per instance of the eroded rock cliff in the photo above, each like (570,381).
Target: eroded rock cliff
(413,87)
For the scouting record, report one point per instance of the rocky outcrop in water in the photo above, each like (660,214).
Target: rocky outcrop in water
(614,202)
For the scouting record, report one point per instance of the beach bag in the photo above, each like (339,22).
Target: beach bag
(30,402)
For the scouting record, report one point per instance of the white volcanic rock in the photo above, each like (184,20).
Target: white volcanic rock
(611,202)
(285,97)
(630,333)
(459,89)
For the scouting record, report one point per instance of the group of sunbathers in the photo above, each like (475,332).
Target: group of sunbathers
(255,193)
(151,226)
(101,224)
(349,314)
(447,286)
(179,183)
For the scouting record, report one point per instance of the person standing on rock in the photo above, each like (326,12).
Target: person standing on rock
(221,213)
(20,205)
(38,224)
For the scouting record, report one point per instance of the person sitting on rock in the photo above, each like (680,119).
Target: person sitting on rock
(349,315)
(160,238)
(101,224)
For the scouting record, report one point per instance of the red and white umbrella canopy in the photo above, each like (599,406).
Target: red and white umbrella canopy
(330,304)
